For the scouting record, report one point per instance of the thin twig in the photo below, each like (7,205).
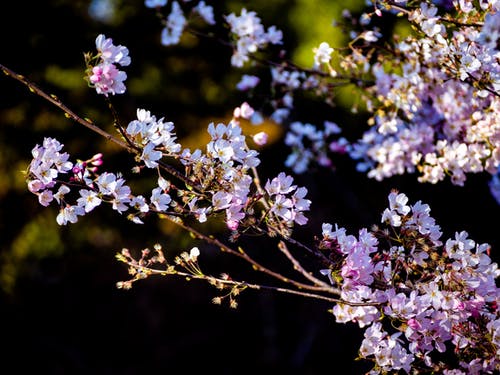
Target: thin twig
(147,270)
(67,112)
(297,266)
(257,266)
(118,125)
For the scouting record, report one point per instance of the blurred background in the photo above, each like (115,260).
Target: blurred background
(60,312)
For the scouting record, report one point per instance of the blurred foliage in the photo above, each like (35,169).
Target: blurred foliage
(38,238)
(311,32)
(59,281)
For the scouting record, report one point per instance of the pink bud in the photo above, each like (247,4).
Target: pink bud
(97,74)
(246,111)
(260,139)
(232,224)
(337,147)
(96,159)
(414,324)
(324,161)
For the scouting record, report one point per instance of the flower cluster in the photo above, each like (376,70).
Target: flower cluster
(155,137)
(440,106)
(175,23)
(176,20)
(250,35)
(433,95)
(247,82)
(289,208)
(223,172)
(155,3)
(85,187)
(102,72)
(309,145)
(45,179)
(418,297)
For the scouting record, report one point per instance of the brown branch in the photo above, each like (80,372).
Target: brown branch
(67,112)
(458,23)
(256,266)
(297,266)
(118,125)
(133,149)
(153,271)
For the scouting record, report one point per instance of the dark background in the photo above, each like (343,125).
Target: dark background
(60,311)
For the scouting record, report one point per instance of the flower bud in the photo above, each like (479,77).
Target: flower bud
(260,138)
